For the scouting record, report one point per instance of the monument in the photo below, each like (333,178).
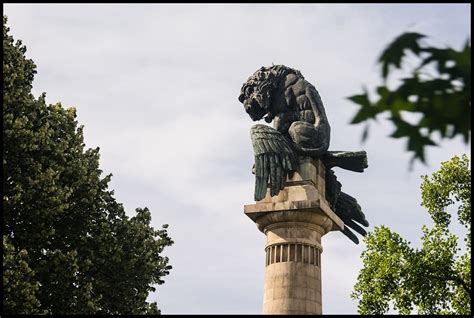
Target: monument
(298,198)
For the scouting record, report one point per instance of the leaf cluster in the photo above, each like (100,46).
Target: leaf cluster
(438,89)
(433,279)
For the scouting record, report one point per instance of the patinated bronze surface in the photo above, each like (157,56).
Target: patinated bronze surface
(300,128)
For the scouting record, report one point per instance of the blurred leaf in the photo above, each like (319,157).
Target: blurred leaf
(443,99)
(364,112)
(395,51)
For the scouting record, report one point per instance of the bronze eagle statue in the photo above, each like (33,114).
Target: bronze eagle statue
(300,128)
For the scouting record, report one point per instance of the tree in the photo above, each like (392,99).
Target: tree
(68,246)
(20,286)
(433,279)
(438,88)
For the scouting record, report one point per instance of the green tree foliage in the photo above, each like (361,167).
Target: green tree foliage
(18,280)
(437,87)
(433,279)
(68,246)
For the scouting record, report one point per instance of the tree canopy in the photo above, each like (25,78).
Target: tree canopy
(68,245)
(433,279)
(437,86)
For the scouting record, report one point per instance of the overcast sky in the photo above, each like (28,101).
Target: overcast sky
(156,88)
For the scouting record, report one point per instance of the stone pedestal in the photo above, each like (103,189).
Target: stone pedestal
(294,222)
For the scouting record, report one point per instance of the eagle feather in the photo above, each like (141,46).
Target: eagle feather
(274,160)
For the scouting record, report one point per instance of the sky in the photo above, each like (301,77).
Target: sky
(156,87)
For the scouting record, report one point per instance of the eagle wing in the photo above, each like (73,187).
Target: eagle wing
(349,211)
(345,206)
(274,159)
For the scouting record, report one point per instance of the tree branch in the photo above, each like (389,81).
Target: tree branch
(454,278)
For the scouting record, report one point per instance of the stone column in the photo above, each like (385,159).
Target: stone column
(294,222)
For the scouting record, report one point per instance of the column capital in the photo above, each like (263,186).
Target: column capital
(302,200)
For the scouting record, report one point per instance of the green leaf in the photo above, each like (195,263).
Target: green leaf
(443,98)
(395,51)
(367,110)
(433,279)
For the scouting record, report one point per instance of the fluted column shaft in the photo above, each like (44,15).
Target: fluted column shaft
(294,222)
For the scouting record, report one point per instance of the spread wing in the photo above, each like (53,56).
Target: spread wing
(274,159)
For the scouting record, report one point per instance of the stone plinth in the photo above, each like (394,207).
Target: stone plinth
(294,222)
